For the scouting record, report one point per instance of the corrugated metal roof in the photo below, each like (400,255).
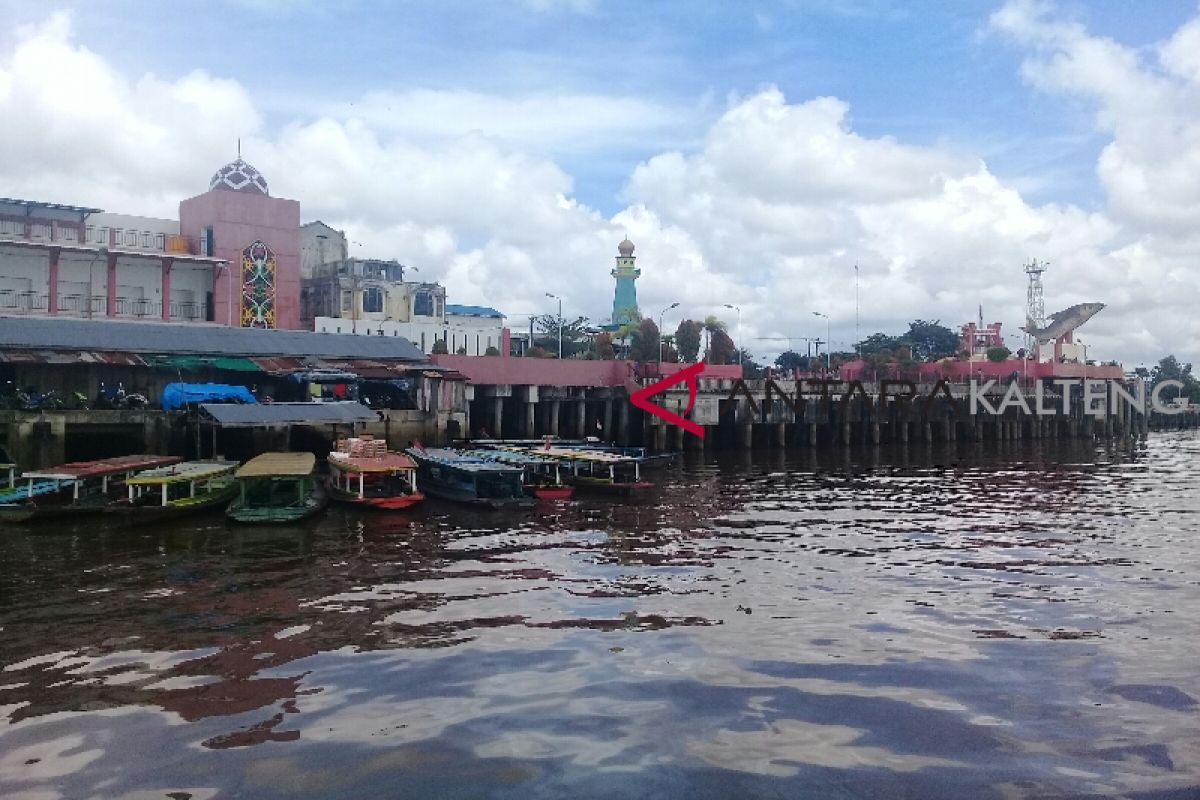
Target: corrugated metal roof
(55,206)
(472,311)
(72,357)
(246,416)
(57,333)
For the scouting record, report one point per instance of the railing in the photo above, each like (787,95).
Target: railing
(189,311)
(11,300)
(126,307)
(100,236)
(78,304)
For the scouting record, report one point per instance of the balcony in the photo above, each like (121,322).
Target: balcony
(124,239)
(77,305)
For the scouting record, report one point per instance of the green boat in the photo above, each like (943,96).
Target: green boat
(277,488)
(179,490)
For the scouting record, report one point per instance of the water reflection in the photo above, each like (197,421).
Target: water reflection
(921,620)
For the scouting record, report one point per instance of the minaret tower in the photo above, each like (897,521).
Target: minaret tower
(625,307)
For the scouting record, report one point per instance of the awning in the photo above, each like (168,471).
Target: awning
(70,357)
(265,414)
(198,362)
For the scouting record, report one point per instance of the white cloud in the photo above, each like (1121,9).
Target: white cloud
(770,211)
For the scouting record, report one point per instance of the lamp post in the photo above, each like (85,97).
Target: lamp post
(100,251)
(739,329)
(828,341)
(661,314)
(560,321)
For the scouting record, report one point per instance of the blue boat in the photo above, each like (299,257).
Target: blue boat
(462,478)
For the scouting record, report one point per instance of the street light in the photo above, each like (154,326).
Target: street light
(559,299)
(828,340)
(739,329)
(661,314)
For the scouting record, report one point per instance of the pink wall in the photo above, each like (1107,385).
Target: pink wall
(555,372)
(237,219)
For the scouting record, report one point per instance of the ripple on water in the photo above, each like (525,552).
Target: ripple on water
(902,621)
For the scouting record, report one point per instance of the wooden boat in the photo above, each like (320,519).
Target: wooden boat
(179,490)
(452,475)
(387,482)
(72,490)
(276,488)
(597,471)
(542,478)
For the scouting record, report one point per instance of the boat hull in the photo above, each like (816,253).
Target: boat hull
(29,513)
(464,497)
(552,492)
(314,504)
(397,502)
(134,515)
(612,488)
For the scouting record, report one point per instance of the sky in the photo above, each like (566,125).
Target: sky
(755,152)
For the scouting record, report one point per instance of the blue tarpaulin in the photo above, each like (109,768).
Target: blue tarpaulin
(177,395)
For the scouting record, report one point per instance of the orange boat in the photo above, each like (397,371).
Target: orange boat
(363,473)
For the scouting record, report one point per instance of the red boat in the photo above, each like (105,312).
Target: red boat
(549,492)
(369,476)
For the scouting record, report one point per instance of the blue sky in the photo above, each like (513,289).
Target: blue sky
(924,72)
(505,146)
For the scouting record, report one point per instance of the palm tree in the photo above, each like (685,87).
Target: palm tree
(711,326)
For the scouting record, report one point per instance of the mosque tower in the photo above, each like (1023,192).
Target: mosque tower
(625,307)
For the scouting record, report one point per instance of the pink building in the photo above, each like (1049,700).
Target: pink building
(258,237)
(232,258)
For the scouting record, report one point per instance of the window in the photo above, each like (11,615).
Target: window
(422,341)
(423,304)
(372,300)
(346,300)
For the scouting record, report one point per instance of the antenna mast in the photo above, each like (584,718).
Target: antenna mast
(1035,306)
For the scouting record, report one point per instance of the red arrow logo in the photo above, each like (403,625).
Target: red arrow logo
(640,398)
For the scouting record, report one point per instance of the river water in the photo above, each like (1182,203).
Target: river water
(918,622)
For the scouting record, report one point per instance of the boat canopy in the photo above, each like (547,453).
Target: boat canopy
(78,470)
(179,473)
(178,395)
(596,456)
(388,462)
(466,463)
(282,464)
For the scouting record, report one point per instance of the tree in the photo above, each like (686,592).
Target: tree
(721,349)
(687,339)
(439,347)
(492,351)
(575,334)
(790,360)
(603,345)
(998,354)
(711,326)
(1169,369)
(876,343)
(644,344)
(930,340)
(537,351)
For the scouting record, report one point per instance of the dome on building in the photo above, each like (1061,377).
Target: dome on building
(625,248)
(238,176)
